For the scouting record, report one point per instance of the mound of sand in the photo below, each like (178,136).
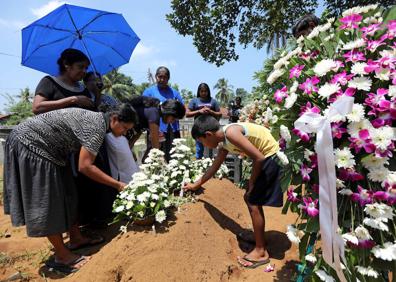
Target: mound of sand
(198,243)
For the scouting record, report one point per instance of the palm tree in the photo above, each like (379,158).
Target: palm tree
(119,85)
(225,91)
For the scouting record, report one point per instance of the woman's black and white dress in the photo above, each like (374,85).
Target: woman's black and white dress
(39,189)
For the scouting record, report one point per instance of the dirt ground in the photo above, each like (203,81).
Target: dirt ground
(198,243)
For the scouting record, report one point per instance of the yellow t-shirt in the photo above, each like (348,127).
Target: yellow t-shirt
(258,135)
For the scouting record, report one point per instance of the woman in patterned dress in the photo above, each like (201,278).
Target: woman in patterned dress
(39,189)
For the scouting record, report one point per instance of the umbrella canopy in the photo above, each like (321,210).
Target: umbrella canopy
(106,38)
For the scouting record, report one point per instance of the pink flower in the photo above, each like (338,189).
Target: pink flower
(391,29)
(280,94)
(354,56)
(363,141)
(372,66)
(363,197)
(301,134)
(269,268)
(337,130)
(389,195)
(296,71)
(363,244)
(309,85)
(349,174)
(341,78)
(305,171)
(371,29)
(310,206)
(387,153)
(350,21)
(308,108)
(282,144)
(372,45)
(292,196)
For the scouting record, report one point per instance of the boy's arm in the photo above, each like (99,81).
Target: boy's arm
(221,155)
(235,136)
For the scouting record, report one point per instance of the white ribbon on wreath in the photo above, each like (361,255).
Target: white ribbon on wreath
(332,242)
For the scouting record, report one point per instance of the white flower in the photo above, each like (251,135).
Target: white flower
(294,87)
(314,33)
(324,276)
(119,209)
(376,223)
(367,271)
(382,137)
(357,113)
(378,174)
(280,63)
(358,68)
(140,214)
(160,216)
(350,237)
(311,258)
(390,179)
(355,127)
(324,67)
(282,157)
(388,252)
(292,234)
(383,74)
(290,100)
(167,204)
(344,158)
(328,89)
(275,75)
(285,133)
(360,83)
(354,44)
(129,205)
(362,233)
(392,91)
(307,154)
(333,117)
(347,192)
(372,162)
(379,210)
(340,184)
(123,229)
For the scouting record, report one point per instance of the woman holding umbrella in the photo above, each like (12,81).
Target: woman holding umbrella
(39,190)
(64,90)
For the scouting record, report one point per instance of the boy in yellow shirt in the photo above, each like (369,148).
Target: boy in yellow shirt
(264,189)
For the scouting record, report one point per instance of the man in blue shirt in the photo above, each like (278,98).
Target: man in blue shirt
(162,91)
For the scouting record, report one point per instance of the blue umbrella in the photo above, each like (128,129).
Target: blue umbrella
(106,38)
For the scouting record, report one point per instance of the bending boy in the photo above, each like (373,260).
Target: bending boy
(264,189)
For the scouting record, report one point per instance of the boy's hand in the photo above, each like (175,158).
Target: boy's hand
(190,187)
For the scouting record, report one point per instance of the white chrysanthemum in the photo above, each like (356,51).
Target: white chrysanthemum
(382,137)
(290,100)
(359,10)
(379,210)
(383,74)
(392,91)
(324,276)
(355,127)
(371,162)
(119,209)
(328,89)
(358,68)
(390,179)
(376,223)
(387,252)
(354,44)
(311,258)
(167,204)
(324,66)
(346,192)
(367,271)
(285,133)
(280,63)
(350,237)
(357,113)
(282,157)
(378,174)
(129,205)
(160,216)
(274,75)
(362,233)
(292,234)
(360,83)
(344,158)
(339,183)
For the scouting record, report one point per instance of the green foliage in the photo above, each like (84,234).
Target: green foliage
(187,95)
(119,85)
(224,93)
(20,109)
(217,25)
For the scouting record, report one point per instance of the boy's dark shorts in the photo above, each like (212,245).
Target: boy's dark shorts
(267,189)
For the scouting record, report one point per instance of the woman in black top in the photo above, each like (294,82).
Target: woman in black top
(39,190)
(64,90)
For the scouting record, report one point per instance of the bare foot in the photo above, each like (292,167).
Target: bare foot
(254,258)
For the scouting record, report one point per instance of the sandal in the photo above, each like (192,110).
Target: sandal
(254,263)
(92,242)
(65,268)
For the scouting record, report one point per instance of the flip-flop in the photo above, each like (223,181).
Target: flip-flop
(242,236)
(92,242)
(64,268)
(255,263)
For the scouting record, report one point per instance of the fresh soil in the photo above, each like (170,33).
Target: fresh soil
(198,243)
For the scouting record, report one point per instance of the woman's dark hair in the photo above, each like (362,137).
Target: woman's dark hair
(163,68)
(205,86)
(90,74)
(172,107)
(305,23)
(142,101)
(70,56)
(202,124)
(124,112)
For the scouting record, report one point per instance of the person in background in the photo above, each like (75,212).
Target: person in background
(234,110)
(162,91)
(203,104)
(39,189)
(64,90)
(94,83)
(305,25)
